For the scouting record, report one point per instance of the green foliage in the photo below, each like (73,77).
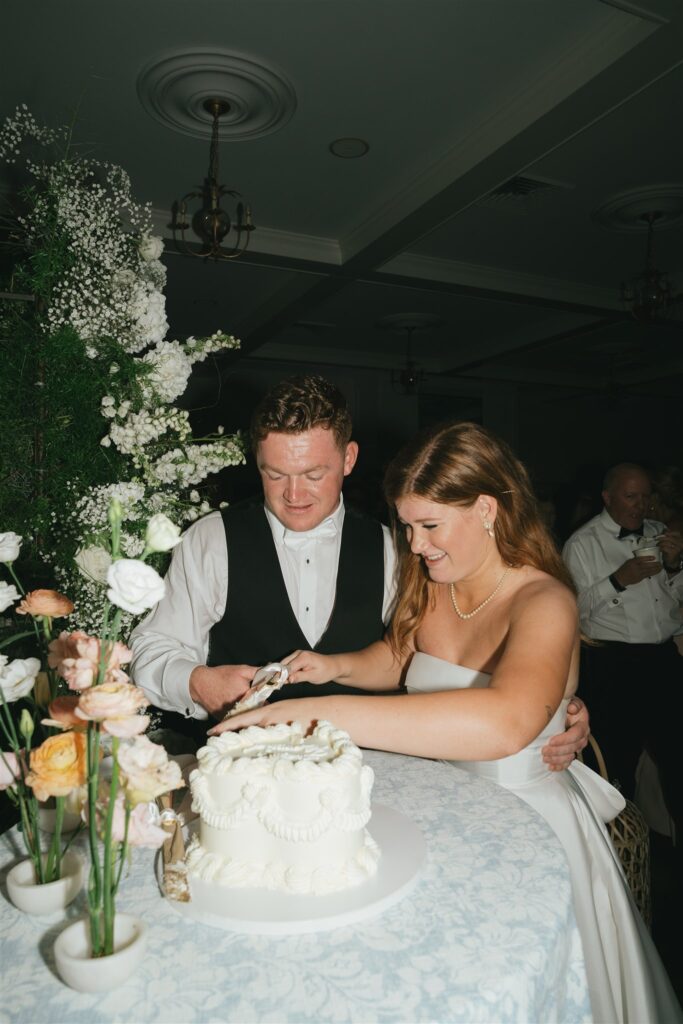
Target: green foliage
(50,424)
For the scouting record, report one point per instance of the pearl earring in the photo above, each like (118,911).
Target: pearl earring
(488,526)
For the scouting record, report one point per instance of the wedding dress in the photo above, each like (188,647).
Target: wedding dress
(626,978)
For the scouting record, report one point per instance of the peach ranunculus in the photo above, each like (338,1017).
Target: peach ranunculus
(79,673)
(63,646)
(76,656)
(58,765)
(115,705)
(144,826)
(62,712)
(146,770)
(45,602)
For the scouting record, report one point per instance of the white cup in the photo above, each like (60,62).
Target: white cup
(648,548)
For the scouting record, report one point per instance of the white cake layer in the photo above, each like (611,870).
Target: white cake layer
(283,811)
(276,875)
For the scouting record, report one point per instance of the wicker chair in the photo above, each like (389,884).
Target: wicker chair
(631,838)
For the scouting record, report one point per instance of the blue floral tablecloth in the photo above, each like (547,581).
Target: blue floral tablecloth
(486,935)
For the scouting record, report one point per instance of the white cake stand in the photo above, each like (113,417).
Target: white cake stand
(263,912)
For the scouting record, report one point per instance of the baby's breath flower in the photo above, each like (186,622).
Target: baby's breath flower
(109,291)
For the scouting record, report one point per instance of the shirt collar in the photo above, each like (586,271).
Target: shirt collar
(329,528)
(615,529)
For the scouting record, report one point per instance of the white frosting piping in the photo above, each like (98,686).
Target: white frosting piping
(211,867)
(260,804)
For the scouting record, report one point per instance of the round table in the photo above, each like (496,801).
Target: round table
(487,933)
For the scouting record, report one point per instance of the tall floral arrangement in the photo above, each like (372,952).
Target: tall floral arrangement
(31,683)
(89,381)
(101,715)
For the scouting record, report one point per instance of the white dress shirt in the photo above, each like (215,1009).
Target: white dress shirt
(643,613)
(174,637)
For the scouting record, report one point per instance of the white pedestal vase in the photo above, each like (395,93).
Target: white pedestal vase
(46,819)
(33,898)
(85,973)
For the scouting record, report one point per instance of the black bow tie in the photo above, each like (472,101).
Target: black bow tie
(623,532)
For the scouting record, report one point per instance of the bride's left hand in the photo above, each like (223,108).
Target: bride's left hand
(269,714)
(257,716)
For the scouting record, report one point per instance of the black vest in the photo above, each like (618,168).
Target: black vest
(259,624)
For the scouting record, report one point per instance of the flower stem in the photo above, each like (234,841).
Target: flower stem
(123,849)
(17,636)
(108,883)
(16,579)
(29,824)
(95,883)
(8,725)
(53,867)
(28,805)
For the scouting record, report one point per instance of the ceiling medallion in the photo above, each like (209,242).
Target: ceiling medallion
(176,88)
(648,296)
(628,211)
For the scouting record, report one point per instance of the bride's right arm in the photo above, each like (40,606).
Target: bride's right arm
(373,668)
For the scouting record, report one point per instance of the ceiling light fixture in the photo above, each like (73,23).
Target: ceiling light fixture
(209,222)
(649,295)
(411,375)
(349,148)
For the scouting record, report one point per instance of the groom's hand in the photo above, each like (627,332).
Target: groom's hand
(561,750)
(216,689)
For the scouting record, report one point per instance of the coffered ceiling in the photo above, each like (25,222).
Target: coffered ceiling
(496,132)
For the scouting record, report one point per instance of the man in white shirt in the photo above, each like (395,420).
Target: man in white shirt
(629,604)
(303,571)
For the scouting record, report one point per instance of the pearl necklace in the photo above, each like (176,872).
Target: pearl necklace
(475,611)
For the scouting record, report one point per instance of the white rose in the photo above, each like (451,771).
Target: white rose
(162,534)
(151,247)
(17,679)
(8,595)
(93,563)
(9,546)
(134,586)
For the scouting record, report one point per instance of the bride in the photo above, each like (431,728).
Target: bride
(485,639)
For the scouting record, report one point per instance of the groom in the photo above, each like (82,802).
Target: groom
(297,570)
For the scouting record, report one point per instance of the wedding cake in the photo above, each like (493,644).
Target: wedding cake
(280,810)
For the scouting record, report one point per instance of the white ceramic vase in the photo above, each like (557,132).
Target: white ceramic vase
(46,820)
(33,898)
(85,973)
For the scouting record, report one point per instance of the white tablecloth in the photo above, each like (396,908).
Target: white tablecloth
(487,934)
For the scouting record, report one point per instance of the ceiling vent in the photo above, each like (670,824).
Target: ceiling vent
(521,190)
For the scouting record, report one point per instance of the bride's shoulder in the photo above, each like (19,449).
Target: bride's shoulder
(535,586)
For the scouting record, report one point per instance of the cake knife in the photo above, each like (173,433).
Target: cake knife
(266,681)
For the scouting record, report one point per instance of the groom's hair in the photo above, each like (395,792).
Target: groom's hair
(298,404)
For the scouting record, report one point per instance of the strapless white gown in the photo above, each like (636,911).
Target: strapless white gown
(626,978)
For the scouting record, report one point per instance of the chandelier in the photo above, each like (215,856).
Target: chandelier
(649,295)
(210,223)
(411,375)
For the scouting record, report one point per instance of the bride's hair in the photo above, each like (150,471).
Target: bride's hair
(453,464)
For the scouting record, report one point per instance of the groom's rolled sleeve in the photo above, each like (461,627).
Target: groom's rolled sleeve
(174,638)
